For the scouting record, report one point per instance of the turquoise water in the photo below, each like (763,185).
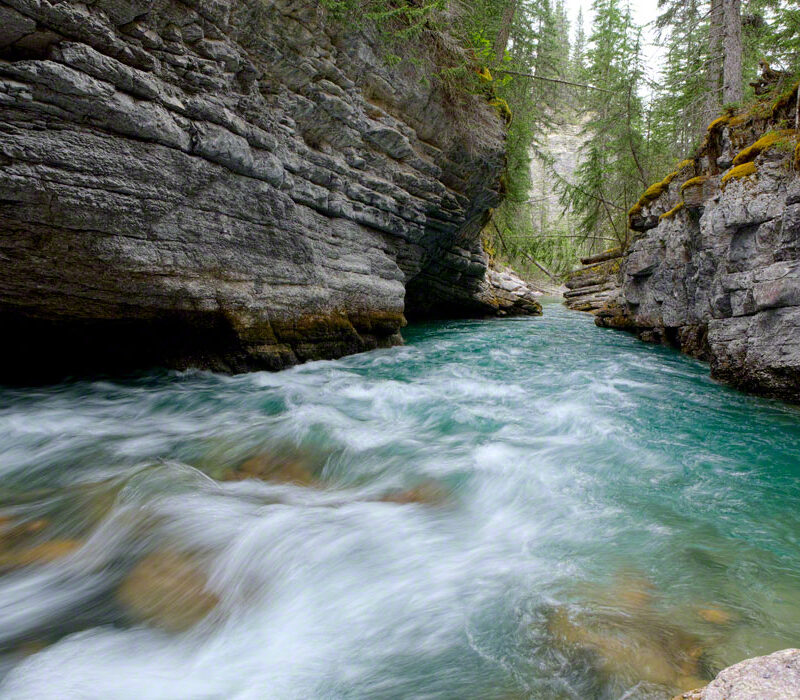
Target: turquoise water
(599,519)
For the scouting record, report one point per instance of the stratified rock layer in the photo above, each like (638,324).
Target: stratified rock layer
(226,184)
(715,268)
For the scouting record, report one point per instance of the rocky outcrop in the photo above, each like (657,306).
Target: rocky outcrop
(589,288)
(513,295)
(715,267)
(226,184)
(772,677)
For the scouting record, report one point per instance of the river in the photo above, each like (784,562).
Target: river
(504,509)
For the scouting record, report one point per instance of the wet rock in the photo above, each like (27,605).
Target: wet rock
(169,590)
(514,296)
(772,677)
(590,288)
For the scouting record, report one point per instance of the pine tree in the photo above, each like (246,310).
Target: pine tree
(578,69)
(611,173)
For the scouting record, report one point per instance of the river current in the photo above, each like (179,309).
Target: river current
(504,509)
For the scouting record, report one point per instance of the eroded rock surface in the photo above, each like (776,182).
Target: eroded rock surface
(772,677)
(226,184)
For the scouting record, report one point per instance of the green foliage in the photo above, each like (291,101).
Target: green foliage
(611,172)
(400,20)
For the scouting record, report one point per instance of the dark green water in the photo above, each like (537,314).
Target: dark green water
(609,523)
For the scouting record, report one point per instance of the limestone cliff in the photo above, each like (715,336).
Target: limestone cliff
(715,268)
(229,184)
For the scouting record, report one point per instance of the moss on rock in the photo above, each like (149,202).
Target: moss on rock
(763,144)
(669,214)
(693,182)
(738,172)
(718,123)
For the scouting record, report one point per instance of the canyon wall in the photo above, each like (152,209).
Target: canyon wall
(714,267)
(230,185)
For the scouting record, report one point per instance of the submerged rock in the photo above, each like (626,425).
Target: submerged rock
(772,677)
(273,467)
(428,493)
(21,544)
(715,616)
(167,589)
(637,649)
(629,637)
(42,553)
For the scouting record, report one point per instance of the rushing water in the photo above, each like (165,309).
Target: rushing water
(526,508)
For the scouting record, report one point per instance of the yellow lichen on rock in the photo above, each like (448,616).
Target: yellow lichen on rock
(738,120)
(740,171)
(693,182)
(687,162)
(669,214)
(766,142)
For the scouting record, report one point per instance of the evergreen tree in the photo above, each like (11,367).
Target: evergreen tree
(611,175)
(578,68)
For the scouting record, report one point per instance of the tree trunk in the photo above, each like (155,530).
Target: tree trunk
(732,68)
(612,254)
(714,75)
(505,29)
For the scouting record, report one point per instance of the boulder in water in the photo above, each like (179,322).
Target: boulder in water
(772,677)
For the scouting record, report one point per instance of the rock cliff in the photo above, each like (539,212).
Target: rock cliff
(231,185)
(715,267)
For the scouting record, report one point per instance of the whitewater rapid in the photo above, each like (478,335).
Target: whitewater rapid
(594,495)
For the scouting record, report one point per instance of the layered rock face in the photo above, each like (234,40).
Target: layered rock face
(591,286)
(226,184)
(715,268)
